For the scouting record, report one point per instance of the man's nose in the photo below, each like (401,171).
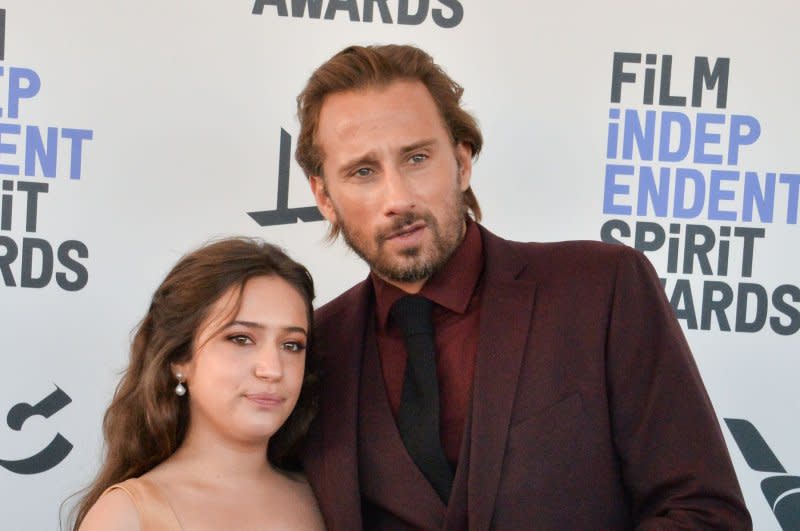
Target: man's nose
(398,191)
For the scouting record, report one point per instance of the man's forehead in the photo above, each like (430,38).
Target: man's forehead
(403,103)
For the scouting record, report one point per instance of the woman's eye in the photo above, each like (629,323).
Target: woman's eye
(294,346)
(240,339)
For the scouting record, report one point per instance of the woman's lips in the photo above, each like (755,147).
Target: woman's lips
(267,400)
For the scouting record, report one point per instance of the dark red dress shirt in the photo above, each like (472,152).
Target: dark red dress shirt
(454,290)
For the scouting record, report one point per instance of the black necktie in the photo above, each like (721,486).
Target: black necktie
(418,417)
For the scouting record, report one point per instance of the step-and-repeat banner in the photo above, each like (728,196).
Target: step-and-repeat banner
(131,132)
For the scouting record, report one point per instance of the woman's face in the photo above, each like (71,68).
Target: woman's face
(247,368)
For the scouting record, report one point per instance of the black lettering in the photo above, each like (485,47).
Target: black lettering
(33,190)
(643,229)
(6,206)
(749,235)
(724,251)
(742,304)
(27,279)
(718,307)
(703,75)
(664,97)
(692,248)
(7,258)
(792,312)
(672,248)
(683,293)
(81,274)
(386,16)
(614,225)
(258,7)
(2,34)
(618,77)
(299,8)
(404,17)
(454,19)
(649,79)
(342,5)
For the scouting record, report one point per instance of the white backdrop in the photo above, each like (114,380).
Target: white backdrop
(174,111)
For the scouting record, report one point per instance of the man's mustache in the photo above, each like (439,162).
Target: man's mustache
(401,222)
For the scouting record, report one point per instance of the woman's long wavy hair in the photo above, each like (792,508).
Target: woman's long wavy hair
(146,422)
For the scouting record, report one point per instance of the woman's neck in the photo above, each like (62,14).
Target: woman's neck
(222,460)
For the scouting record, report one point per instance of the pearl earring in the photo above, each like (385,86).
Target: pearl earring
(180,389)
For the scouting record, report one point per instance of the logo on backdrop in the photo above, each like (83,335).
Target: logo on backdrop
(52,454)
(781,491)
(401,11)
(283,215)
(33,155)
(669,158)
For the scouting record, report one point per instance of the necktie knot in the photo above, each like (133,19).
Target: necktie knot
(413,315)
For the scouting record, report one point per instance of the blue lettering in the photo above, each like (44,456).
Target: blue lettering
(16,91)
(658,195)
(11,149)
(613,134)
(77,136)
(763,200)
(717,194)
(793,180)
(35,148)
(668,118)
(612,188)
(682,177)
(703,137)
(645,138)
(739,138)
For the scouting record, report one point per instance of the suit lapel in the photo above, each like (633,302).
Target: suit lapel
(339,414)
(506,307)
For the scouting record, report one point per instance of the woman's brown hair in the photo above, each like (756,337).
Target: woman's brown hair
(146,422)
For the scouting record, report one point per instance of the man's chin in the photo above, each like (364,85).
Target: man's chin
(405,270)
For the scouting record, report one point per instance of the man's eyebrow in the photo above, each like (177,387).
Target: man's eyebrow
(427,142)
(367,159)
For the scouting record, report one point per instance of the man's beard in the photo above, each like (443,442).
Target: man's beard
(414,263)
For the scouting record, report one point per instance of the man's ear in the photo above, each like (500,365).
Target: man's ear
(463,154)
(322,198)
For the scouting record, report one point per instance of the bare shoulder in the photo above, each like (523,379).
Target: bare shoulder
(113,511)
(303,502)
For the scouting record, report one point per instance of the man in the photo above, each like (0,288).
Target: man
(563,394)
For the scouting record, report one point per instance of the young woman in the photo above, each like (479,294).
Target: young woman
(203,429)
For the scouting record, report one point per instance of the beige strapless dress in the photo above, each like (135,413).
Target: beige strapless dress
(155,512)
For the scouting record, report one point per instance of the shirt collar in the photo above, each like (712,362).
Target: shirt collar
(451,287)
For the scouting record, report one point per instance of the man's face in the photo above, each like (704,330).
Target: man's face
(393,180)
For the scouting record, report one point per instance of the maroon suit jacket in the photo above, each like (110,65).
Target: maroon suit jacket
(588,411)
